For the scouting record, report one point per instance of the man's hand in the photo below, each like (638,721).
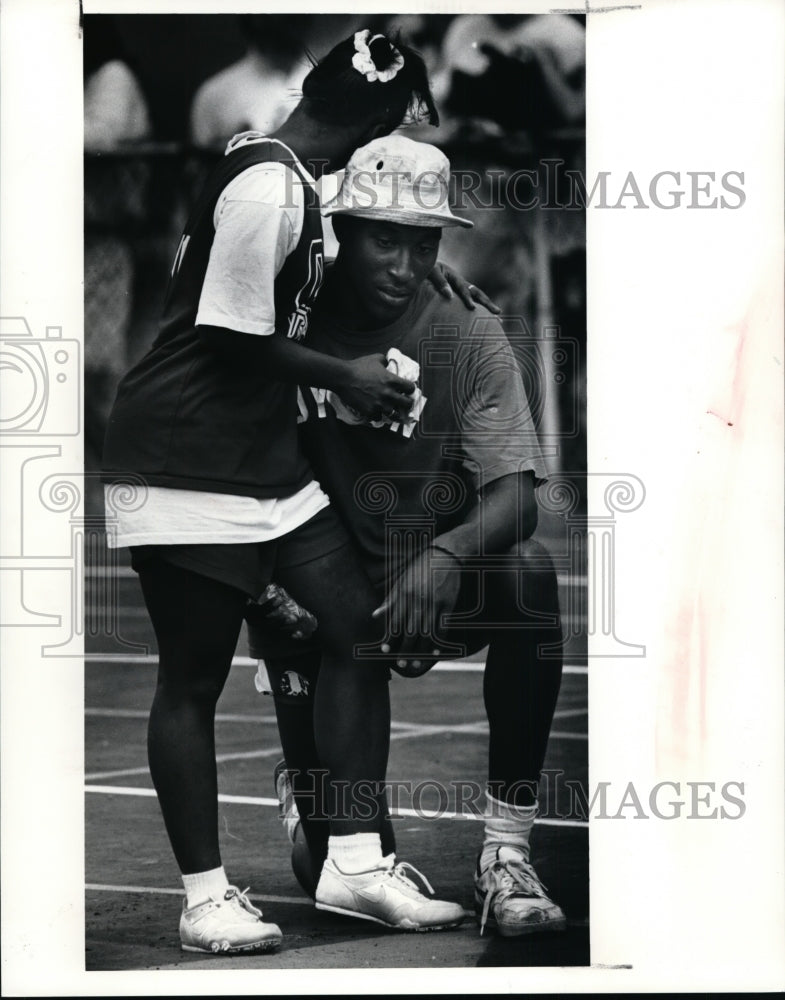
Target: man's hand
(414,607)
(373,391)
(446,281)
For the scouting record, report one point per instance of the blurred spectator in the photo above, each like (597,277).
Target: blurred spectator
(258,91)
(516,96)
(115,117)
(425,33)
(522,71)
(513,80)
(114,106)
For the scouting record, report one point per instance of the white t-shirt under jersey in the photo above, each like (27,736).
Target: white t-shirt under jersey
(190,517)
(258,221)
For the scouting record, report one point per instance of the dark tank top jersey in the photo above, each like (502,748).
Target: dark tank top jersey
(185,417)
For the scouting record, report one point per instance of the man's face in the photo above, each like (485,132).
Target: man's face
(385,263)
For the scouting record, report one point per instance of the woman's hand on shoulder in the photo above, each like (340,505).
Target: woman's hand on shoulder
(447,282)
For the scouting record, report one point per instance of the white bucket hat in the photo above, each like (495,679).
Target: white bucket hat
(396,179)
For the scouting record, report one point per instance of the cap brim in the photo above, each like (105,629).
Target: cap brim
(402,216)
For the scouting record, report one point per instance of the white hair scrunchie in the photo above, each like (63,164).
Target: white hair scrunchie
(363,61)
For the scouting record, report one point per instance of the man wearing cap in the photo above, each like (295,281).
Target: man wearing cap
(442,508)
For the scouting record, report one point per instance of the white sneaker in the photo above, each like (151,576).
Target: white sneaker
(387,896)
(227,926)
(509,896)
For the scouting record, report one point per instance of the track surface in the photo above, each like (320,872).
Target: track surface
(133,891)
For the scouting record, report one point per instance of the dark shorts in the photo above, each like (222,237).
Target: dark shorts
(250,566)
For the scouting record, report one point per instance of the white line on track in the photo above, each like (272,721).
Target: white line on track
(447,666)
(254,754)
(220,759)
(140,713)
(477,728)
(462,667)
(155,891)
(252,800)
(400,731)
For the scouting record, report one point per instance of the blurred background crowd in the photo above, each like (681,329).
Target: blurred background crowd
(164,93)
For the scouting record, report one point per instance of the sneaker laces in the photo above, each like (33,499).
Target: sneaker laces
(399,873)
(233,894)
(507,878)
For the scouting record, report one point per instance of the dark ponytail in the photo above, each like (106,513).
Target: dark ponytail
(337,93)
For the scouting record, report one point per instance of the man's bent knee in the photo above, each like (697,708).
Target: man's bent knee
(528,583)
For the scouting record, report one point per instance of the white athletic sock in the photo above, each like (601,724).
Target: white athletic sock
(505,825)
(357,852)
(202,886)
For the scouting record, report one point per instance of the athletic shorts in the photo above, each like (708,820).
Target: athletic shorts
(250,566)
